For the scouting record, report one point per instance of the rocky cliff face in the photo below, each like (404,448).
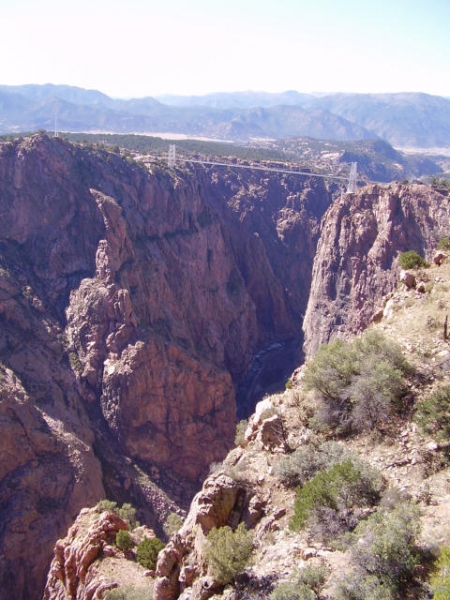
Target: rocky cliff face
(131,304)
(356,262)
(132,301)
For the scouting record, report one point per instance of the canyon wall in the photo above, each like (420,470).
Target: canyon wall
(132,301)
(356,263)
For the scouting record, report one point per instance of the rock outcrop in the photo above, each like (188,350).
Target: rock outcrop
(220,502)
(356,262)
(87,561)
(132,300)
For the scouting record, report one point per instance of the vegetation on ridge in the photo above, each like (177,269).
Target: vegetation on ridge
(382,401)
(227,551)
(411,260)
(358,383)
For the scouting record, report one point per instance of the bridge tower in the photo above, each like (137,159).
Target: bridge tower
(351,186)
(172,156)
(56,132)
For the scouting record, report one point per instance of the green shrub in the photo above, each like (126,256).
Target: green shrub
(128,513)
(385,551)
(360,586)
(292,591)
(330,525)
(313,576)
(307,585)
(227,552)
(106,505)
(411,260)
(147,552)
(240,432)
(359,383)
(331,370)
(296,468)
(123,540)
(441,185)
(433,414)
(440,580)
(373,392)
(129,592)
(172,524)
(341,487)
(444,244)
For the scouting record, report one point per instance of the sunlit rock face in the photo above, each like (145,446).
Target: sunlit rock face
(356,263)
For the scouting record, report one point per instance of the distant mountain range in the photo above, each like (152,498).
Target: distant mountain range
(412,120)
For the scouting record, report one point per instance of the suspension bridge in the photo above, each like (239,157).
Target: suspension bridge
(351,180)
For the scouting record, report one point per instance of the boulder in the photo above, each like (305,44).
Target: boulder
(439,257)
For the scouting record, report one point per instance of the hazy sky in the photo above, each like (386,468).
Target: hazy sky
(135,48)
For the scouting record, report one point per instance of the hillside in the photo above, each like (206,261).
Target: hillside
(377,160)
(256,485)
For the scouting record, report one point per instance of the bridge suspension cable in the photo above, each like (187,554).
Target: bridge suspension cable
(351,180)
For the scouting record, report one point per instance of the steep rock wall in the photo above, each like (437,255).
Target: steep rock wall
(356,262)
(131,304)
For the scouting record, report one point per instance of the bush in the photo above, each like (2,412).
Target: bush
(129,592)
(296,468)
(358,586)
(173,524)
(147,552)
(329,525)
(331,371)
(359,383)
(386,552)
(444,244)
(307,585)
(373,393)
(342,487)
(411,260)
(127,512)
(292,591)
(123,540)
(240,432)
(440,580)
(433,414)
(441,185)
(227,552)
(313,576)
(109,505)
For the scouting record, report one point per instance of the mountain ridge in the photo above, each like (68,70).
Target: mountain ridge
(404,119)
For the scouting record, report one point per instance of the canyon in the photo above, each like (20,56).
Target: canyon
(142,309)
(132,303)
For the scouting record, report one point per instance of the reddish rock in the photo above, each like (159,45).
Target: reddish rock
(355,264)
(439,257)
(180,563)
(131,305)
(68,577)
(408,279)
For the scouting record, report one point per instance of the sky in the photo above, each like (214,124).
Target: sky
(138,48)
